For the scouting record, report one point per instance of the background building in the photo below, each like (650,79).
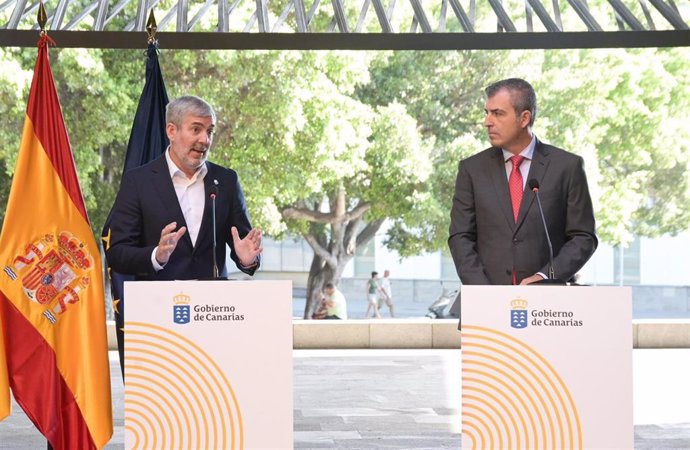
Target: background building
(658,273)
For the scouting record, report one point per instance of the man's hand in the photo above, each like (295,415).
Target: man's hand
(168,242)
(249,248)
(533,279)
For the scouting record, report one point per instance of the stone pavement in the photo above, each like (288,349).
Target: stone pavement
(409,399)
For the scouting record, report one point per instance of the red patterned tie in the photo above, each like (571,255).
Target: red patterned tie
(515,184)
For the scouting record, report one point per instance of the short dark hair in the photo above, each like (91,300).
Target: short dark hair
(329,285)
(374,273)
(521,93)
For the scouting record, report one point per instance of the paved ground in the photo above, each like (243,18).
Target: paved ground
(409,399)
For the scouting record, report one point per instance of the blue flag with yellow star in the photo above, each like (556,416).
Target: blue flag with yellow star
(147,141)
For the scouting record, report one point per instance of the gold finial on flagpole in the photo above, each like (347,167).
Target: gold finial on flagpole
(151,28)
(42,18)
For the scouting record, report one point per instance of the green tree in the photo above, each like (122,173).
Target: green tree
(15,79)
(97,95)
(315,162)
(625,112)
(330,145)
(622,110)
(443,91)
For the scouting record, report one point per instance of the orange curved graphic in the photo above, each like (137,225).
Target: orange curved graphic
(176,395)
(504,377)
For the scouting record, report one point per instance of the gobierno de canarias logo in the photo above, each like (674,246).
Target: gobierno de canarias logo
(54,270)
(518,313)
(181,310)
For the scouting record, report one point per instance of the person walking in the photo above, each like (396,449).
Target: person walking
(387,296)
(373,289)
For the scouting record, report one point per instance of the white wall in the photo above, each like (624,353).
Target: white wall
(665,260)
(599,269)
(422,267)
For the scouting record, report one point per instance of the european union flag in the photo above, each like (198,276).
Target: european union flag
(147,142)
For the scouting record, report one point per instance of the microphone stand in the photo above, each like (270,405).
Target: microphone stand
(215,244)
(534,186)
(551,274)
(213,195)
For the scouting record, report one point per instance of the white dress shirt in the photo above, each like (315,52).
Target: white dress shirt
(190,195)
(528,152)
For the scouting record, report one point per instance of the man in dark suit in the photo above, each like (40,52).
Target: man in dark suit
(162,225)
(496,232)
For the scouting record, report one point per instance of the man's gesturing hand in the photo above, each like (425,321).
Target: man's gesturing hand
(168,242)
(533,279)
(249,248)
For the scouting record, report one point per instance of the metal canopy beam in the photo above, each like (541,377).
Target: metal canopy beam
(340,17)
(16,14)
(426,17)
(101,15)
(262,15)
(382,16)
(544,16)
(82,14)
(465,22)
(626,15)
(420,16)
(581,9)
(502,16)
(670,13)
(355,41)
(59,16)
(301,16)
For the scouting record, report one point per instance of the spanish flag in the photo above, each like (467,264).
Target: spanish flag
(52,305)
(4,382)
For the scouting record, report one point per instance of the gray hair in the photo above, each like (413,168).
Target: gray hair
(187,104)
(522,95)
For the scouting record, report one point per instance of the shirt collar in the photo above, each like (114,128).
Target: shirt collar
(528,151)
(174,170)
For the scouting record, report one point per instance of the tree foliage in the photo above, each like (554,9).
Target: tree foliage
(329,145)
(626,113)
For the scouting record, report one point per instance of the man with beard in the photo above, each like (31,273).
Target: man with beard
(162,223)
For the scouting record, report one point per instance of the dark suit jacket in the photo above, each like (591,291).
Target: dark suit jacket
(486,243)
(146,203)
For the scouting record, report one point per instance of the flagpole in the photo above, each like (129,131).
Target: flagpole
(147,142)
(42,19)
(151,28)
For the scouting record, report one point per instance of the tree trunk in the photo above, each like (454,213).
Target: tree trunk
(339,254)
(315,282)
(334,236)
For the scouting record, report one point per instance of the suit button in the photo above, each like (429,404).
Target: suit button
(515,241)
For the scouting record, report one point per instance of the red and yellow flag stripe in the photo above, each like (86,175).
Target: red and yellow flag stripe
(4,382)
(52,304)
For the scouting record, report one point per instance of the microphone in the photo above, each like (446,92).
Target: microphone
(534,186)
(213,194)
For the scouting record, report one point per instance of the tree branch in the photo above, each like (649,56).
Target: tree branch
(308,215)
(368,232)
(325,218)
(319,250)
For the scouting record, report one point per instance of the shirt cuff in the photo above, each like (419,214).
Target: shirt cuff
(156,266)
(250,266)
